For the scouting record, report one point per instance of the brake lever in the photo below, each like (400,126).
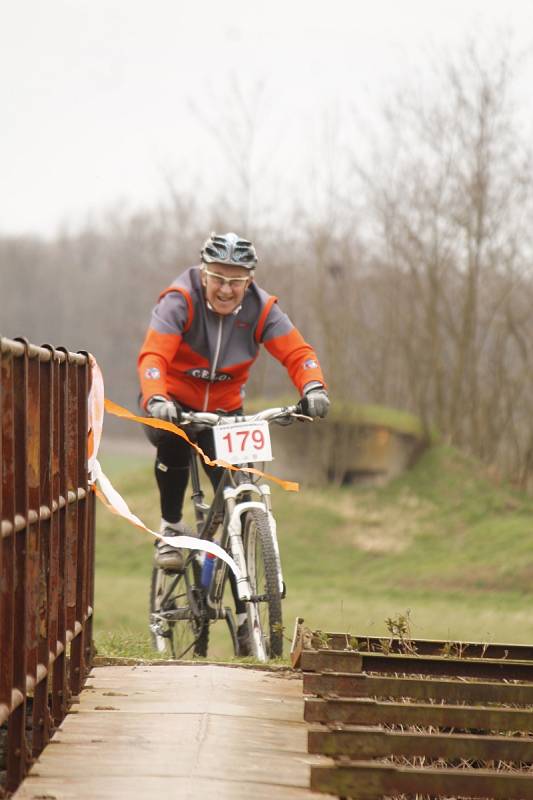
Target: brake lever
(287,420)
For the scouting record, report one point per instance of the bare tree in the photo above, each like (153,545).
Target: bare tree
(451,199)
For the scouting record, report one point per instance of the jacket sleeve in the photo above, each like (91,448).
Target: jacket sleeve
(287,345)
(169,319)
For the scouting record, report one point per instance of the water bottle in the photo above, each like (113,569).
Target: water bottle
(207,569)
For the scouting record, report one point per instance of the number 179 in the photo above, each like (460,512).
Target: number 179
(257,437)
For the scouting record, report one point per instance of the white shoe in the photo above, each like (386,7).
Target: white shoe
(167,557)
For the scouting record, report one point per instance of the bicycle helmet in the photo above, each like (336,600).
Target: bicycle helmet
(228,248)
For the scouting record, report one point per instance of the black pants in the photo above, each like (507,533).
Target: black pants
(172,467)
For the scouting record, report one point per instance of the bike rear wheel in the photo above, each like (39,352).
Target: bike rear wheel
(179,625)
(264,612)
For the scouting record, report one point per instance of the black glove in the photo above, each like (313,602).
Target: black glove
(162,408)
(315,403)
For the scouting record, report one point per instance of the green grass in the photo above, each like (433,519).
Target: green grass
(442,541)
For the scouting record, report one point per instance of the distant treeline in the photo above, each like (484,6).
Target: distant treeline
(412,277)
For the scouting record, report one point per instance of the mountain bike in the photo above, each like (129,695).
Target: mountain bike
(183,605)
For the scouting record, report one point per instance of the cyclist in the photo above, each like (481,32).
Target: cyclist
(204,336)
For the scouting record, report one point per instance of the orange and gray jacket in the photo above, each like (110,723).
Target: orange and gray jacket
(202,359)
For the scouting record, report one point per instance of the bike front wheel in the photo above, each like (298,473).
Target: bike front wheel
(264,610)
(179,625)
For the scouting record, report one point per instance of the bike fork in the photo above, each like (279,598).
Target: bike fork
(265,492)
(234,527)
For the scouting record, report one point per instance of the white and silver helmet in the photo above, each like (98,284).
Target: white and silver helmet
(228,248)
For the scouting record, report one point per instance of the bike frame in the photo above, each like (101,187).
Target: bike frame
(229,505)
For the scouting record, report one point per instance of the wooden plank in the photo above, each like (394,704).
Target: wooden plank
(452,691)
(364,743)
(193,747)
(368,781)
(179,731)
(435,647)
(164,787)
(353,711)
(330,661)
(297,643)
(346,661)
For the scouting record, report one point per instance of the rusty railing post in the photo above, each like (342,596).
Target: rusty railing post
(16,736)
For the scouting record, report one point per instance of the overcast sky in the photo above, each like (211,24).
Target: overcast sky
(96,94)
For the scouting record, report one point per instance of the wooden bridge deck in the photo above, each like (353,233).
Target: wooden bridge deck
(184,731)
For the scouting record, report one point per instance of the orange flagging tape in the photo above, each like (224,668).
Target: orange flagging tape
(119,411)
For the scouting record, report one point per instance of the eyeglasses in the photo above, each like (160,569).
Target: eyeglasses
(221,280)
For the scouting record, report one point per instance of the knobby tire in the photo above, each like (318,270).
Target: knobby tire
(263,572)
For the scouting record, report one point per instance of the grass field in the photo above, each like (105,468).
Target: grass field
(442,541)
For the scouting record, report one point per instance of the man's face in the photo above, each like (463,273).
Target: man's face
(225,297)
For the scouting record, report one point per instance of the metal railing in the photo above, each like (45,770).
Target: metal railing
(417,717)
(46,545)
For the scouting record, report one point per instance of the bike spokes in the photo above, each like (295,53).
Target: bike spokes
(178,621)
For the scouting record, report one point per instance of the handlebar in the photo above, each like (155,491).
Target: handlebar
(209,419)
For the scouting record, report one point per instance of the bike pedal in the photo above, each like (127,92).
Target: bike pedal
(158,631)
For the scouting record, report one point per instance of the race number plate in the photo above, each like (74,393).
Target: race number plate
(239,442)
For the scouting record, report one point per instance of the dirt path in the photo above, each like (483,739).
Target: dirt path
(191,731)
